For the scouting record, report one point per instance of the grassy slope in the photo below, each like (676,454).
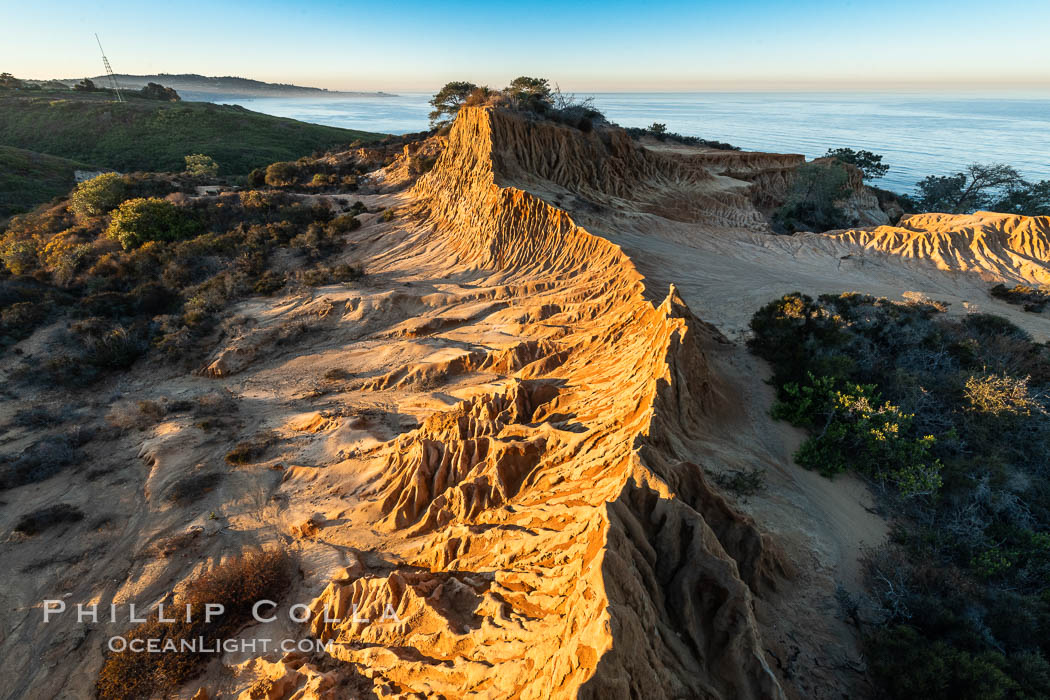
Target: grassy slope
(28,178)
(149,135)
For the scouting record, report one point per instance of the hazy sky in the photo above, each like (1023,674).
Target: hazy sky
(607,45)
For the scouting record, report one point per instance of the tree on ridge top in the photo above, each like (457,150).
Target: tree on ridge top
(532,93)
(448,100)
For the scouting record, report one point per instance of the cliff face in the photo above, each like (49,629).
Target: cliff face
(567,544)
(768,173)
(768,178)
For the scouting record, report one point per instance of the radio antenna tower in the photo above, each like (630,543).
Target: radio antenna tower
(109,70)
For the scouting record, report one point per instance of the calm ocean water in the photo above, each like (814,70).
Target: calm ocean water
(918,135)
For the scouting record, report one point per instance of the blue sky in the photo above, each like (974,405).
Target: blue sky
(584,46)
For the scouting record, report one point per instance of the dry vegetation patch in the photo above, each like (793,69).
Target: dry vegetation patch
(236,584)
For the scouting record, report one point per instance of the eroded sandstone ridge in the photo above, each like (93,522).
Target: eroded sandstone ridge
(998,246)
(567,544)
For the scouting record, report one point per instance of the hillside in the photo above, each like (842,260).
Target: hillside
(194,86)
(28,178)
(150,135)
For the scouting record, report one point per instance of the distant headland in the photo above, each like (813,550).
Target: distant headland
(205,88)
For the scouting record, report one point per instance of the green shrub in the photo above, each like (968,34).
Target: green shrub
(855,432)
(257,177)
(137,221)
(907,666)
(200,165)
(869,163)
(99,195)
(269,282)
(20,254)
(321,275)
(156,91)
(533,94)
(812,200)
(343,224)
(282,174)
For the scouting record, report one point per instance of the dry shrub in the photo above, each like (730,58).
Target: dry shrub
(743,483)
(39,520)
(999,395)
(250,450)
(168,546)
(337,374)
(236,584)
(42,460)
(216,403)
(192,488)
(136,415)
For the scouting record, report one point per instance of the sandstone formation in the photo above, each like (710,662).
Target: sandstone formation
(996,246)
(569,545)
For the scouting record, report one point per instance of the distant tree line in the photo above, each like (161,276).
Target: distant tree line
(996,187)
(151,91)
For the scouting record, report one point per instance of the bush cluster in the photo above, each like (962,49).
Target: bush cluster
(854,430)
(1033,299)
(156,91)
(153,273)
(99,195)
(947,416)
(309,174)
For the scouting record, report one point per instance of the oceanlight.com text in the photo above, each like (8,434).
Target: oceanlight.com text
(203,645)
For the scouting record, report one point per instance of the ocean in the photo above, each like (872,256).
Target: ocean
(917,134)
